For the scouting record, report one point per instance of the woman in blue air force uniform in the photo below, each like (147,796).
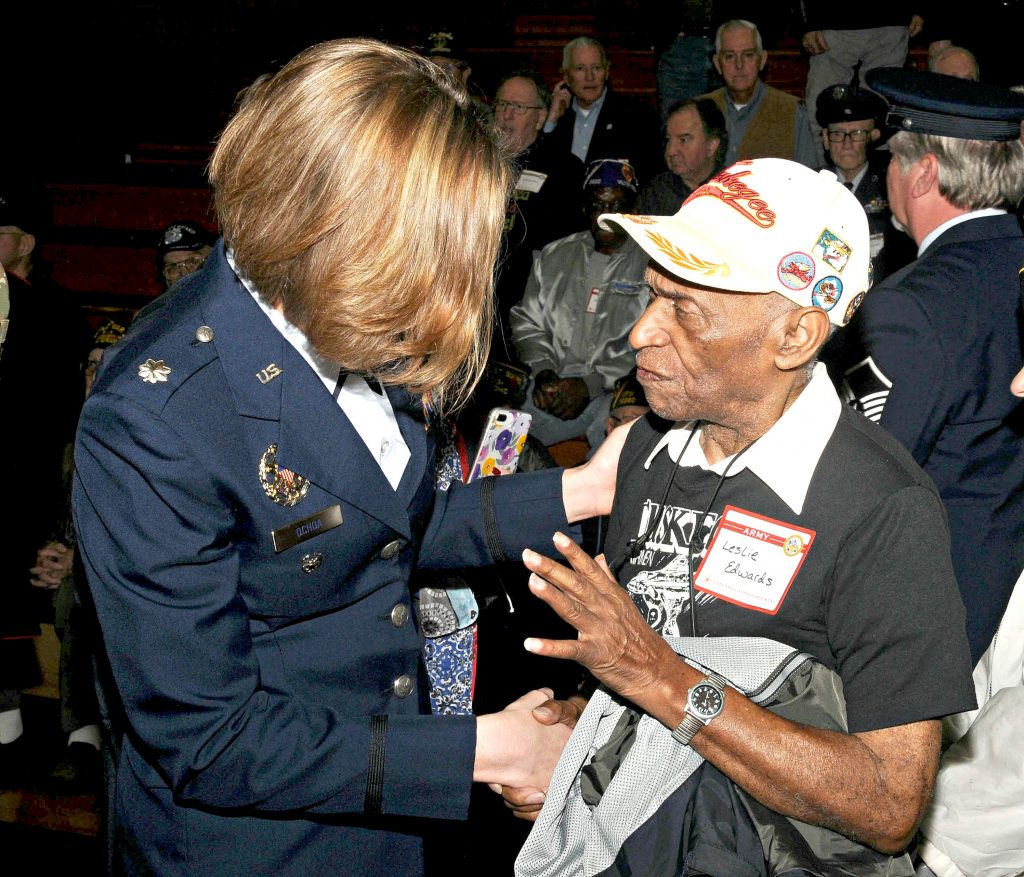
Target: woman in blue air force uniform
(255,487)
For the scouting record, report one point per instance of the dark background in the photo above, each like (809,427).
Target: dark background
(114,107)
(84,84)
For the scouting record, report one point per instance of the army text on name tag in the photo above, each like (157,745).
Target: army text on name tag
(292,534)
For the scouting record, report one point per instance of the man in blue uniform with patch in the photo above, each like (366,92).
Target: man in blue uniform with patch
(932,352)
(255,487)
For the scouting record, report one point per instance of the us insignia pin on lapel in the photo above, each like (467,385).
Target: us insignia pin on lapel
(282,485)
(153,371)
(268,374)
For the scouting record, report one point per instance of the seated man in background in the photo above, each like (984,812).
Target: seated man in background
(181,250)
(592,121)
(850,117)
(628,402)
(571,327)
(695,145)
(545,204)
(40,392)
(762,121)
(955,61)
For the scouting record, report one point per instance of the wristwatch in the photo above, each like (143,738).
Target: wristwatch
(703,703)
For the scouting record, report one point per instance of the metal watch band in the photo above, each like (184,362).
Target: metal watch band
(687,729)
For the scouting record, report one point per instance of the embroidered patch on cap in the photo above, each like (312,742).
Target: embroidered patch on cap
(832,250)
(796,271)
(827,292)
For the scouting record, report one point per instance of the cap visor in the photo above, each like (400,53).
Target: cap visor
(681,248)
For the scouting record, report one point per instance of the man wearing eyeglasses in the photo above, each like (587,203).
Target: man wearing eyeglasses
(545,204)
(182,250)
(849,117)
(762,121)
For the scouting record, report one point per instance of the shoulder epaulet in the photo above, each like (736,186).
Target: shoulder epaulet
(149,365)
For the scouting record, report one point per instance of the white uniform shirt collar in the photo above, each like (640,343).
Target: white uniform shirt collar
(785,457)
(956,220)
(369,412)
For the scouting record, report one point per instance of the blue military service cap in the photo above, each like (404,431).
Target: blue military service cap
(931,103)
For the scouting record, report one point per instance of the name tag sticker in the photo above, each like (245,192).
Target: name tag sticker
(292,534)
(753,560)
(531,181)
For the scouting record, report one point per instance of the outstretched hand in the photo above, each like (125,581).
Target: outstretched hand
(614,641)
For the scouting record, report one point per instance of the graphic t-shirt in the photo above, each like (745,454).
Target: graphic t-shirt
(861,578)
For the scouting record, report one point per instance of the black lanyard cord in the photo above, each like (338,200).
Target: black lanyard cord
(693,538)
(635,544)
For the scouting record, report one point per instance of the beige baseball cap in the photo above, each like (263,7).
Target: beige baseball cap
(766,225)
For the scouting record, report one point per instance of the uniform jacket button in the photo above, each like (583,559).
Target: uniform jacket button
(399,614)
(402,686)
(391,549)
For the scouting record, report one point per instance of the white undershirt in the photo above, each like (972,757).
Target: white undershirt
(369,412)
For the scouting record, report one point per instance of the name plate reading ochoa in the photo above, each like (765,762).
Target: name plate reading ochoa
(753,560)
(292,534)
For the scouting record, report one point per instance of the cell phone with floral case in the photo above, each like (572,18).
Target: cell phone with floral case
(501,443)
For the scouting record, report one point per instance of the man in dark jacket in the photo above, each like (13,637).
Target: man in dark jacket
(933,351)
(591,121)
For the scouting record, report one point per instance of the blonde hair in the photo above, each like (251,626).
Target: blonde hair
(360,188)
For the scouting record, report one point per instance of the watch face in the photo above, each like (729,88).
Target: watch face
(706,700)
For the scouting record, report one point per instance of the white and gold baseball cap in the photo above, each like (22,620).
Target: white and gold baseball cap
(766,225)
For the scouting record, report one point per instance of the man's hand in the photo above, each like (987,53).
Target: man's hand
(561,97)
(526,803)
(53,562)
(588,490)
(915,26)
(545,383)
(614,641)
(814,42)
(569,397)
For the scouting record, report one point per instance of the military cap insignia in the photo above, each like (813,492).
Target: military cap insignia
(153,371)
(282,485)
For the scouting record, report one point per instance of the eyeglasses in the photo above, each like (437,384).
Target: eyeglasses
(594,205)
(184,267)
(519,109)
(858,135)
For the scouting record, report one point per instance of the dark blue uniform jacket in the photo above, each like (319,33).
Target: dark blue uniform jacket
(271,724)
(932,351)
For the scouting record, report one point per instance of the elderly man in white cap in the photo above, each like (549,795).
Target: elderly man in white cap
(757,506)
